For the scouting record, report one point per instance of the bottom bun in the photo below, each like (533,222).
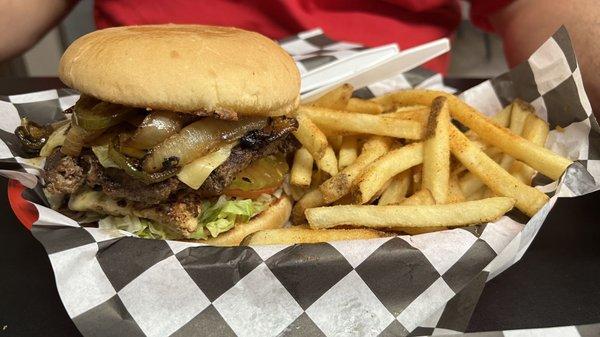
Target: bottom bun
(273,217)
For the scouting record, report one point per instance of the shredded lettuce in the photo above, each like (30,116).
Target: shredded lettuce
(223,214)
(141,227)
(215,218)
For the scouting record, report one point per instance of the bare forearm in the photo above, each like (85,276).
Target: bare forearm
(526,24)
(24,22)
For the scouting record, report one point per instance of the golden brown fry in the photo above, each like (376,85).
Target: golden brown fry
(348,151)
(292,235)
(314,198)
(336,98)
(357,123)
(340,184)
(396,191)
(301,172)
(436,152)
(315,141)
(297,192)
(384,168)
(529,200)
(520,110)
(418,230)
(363,106)
(422,197)
(455,194)
(448,215)
(538,157)
(535,130)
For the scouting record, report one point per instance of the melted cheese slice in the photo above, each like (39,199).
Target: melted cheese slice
(195,173)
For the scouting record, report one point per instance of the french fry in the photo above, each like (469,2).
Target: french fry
(528,199)
(448,215)
(455,194)
(297,192)
(348,151)
(357,123)
(417,113)
(418,230)
(417,178)
(436,152)
(541,159)
(422,197)
(301,172)
(535,130)
(340,184)
(281,236)
(336,98)
(363,106)
(315,141)
(384,168)
(314,198)
(478,194)
(520,110)
(396,191)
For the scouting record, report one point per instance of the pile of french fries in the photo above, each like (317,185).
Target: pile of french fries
(399,163)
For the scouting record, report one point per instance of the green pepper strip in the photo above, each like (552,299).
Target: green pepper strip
(129,167)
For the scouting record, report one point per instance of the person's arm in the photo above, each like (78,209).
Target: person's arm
(24,22)
(525,24)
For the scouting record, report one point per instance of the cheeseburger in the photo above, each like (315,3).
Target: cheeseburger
(181,132)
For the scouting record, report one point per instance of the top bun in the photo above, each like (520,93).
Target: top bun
(184,68)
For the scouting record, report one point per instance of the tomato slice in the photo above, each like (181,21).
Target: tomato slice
(263,176)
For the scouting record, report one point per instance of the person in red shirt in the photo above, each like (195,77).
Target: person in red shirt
(522,24)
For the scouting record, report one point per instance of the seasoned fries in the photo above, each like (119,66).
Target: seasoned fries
(538,157)
(283,236)
(528,199)
(436,152)
(340,184)
(348,151)
(363,106)
(415,172)
(315,141)
(384,168)
(449,215)
(335,99)
(358,123)
(396,192)
(301,173)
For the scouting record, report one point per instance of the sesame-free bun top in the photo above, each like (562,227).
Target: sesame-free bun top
(184,68)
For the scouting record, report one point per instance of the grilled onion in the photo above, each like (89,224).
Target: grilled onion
(156,127)
(102,116)
(198,139)
(129,166)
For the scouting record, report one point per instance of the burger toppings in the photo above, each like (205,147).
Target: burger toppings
(156,127)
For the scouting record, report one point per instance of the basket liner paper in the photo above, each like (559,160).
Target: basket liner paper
(112,283)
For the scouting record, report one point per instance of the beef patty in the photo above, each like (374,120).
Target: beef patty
(65,174)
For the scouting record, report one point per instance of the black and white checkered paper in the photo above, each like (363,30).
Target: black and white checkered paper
(114,284)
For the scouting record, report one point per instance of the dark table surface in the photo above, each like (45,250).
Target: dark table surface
(557,282)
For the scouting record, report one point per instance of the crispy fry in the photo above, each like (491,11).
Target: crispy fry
(336,98)
(363,106)
(396,191)
(357,123)
(348,151)
(417,178)
(314,198)
(448,215)
(340,184)
(301,172)
(418,230)
(520,110)
(436,152)
(535,130)
(314,140)
(538,157)
(293,235)
(455,194)
(422,197)
(419,114)
(297,192)
(384,168)
(529,200)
